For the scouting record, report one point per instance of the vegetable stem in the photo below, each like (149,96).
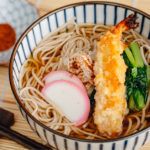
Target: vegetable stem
(130,57)
(137,55)
(139,99)
(148,74)
(131,103)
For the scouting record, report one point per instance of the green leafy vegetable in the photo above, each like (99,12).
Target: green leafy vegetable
(125,57)
(131,103)
(134,72)
(137,77)
(130,57)
(148,74)
(137,55)
(139,99)
(92,101)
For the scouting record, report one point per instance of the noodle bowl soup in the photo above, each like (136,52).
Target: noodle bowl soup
(63,53)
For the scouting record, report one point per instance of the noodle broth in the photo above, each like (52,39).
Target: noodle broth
(56,52)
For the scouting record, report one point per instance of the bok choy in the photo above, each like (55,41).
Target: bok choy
(137,78)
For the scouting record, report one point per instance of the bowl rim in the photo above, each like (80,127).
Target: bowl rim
(12,85)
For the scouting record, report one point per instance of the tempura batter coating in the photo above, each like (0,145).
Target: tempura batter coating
(109,80)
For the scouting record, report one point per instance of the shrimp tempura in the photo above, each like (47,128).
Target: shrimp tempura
(109,80)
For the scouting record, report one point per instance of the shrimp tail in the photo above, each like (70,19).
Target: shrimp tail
(127,23)
(130,22)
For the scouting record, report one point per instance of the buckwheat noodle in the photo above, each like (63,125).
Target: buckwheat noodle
(52,53)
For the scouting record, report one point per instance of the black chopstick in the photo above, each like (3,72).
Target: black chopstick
(21,139)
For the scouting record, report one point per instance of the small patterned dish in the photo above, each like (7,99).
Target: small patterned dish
(19,14)
(86,12)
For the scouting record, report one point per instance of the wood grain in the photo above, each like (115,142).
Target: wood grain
(7,100)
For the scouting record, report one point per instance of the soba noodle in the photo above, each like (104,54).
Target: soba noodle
(53,53)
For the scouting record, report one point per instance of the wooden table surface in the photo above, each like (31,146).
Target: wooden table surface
(7,100)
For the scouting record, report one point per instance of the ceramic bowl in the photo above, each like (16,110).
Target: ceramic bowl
(19,14)
(86,12)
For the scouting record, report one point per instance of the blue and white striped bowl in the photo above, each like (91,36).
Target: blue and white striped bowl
(88,12)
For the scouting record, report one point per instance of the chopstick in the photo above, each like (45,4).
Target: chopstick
(21,139)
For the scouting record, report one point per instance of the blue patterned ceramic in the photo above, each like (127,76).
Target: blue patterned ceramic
(19,14)
(88,12)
